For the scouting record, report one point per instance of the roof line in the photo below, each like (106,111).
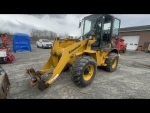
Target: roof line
(135,30)
(135,26)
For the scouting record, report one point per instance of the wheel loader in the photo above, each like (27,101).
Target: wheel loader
(83,55)
(120,45)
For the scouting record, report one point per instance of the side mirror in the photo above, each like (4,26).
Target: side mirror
(79,23)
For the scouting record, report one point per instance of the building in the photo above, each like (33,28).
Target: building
(136,36)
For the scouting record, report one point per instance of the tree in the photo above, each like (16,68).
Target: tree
(42,34)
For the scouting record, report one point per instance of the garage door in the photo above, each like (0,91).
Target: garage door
(131,41)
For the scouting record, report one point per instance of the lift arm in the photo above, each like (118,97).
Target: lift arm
(53,67)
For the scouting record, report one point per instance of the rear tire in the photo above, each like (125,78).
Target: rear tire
(112,62)
(83,71)
(37,46)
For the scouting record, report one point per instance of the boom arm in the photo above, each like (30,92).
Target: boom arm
(60,55)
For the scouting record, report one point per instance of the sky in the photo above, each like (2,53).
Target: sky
(60,23)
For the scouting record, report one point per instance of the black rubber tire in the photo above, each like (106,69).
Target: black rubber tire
(77,70)
(37,46)
(109,62)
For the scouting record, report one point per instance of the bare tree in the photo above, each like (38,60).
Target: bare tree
(36,34)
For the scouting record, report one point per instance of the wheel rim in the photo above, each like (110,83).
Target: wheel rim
(114,63)
(88,73)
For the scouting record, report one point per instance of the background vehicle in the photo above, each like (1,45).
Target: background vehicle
(4,84)
(4,42)
(44,43)
(5,56)
(120,44)
(81,56)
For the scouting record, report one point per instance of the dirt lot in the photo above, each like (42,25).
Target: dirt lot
(130,80)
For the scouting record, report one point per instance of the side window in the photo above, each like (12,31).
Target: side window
(107,26)
(87,26)
(116,27)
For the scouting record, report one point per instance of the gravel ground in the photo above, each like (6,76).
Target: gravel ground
(129,81)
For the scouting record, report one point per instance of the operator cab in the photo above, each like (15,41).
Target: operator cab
(103,25)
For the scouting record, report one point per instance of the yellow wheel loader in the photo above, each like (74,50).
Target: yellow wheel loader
(82,55)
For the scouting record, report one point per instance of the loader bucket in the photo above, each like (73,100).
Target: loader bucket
(37,80)
(4,84)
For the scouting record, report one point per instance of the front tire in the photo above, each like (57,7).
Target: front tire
(83,71)
(37,46)
(112,62)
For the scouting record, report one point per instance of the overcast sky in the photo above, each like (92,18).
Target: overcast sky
(60,23)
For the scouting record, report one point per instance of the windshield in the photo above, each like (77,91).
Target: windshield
(45,41)
(89,22)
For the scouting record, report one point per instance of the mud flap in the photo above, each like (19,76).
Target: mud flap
(4,84)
